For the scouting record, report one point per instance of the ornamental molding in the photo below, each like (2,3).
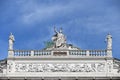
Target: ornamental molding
(94,67)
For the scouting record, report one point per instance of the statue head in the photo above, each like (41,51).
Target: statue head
(109,36)
(11,36)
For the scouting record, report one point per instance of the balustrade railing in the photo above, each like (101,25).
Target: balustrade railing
(77,52)
(71,53)
(88,52)
(22,53)
(41,53)
(98,52)
(31,53)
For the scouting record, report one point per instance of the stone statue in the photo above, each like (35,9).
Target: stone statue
(59,38)
(109,41)
(11,41)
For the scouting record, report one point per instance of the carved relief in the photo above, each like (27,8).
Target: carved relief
(3,65)
(9,66)
(109,66)
(116,65)
(98,67)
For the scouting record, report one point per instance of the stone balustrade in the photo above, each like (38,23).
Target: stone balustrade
(78,52)
(70,53)
(31,53)
(88,52)
(98,52)
(41,53)
(22,53)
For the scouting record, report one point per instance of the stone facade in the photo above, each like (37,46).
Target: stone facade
(60,61)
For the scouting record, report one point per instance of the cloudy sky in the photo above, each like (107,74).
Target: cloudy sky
(85,23)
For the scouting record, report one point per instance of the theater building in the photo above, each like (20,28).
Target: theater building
(60,61)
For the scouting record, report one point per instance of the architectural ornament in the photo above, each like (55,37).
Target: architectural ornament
(98,67)
(109,41)
(11,41)
(59,39)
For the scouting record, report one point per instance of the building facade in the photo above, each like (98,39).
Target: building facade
(60,61)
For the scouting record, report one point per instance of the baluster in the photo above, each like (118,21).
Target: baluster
(72,53)
(24,53)
(81,53)
(45,53)
(98,53)
(29,53)
(39,53)
(19,53)
(36,53)
(90,52)
(102,53)
(105,52)
(84,52)
(94,52)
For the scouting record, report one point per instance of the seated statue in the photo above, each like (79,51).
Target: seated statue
(59,39)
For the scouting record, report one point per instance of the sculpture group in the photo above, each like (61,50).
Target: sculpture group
(59,39)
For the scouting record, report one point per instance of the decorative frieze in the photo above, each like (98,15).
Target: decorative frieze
(3,65)
(116,66)
(91,67)
(9,66)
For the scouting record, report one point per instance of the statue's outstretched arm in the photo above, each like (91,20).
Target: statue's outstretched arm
(55,30)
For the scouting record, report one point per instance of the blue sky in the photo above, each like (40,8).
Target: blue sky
(85,23)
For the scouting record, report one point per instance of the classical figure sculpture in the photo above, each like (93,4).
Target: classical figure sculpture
(11,41)
(109,41)
(59,38)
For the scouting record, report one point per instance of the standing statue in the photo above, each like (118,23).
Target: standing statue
(59,38)
(11,41)
(109,41)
